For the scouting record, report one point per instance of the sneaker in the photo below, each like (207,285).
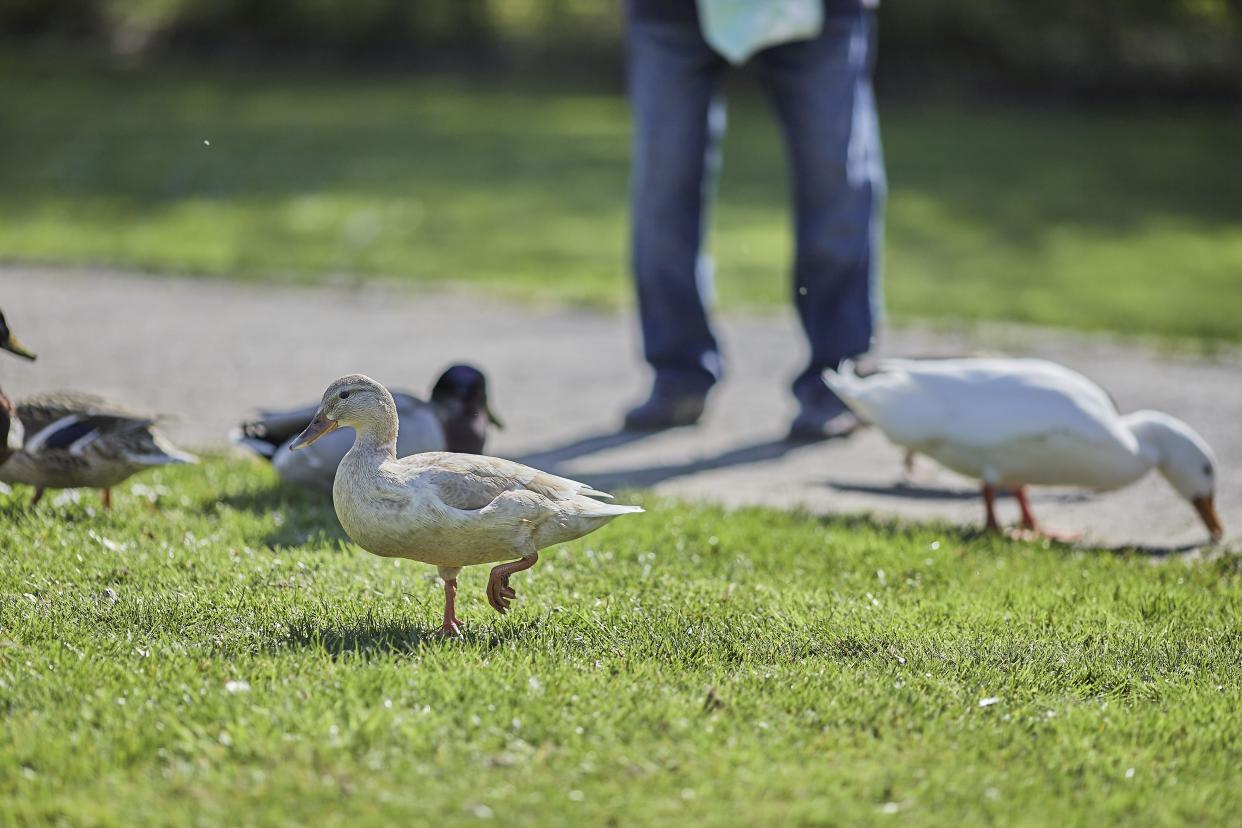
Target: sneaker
(822,422)
(666,409)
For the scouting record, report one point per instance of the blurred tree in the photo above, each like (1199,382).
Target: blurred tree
(1063,45)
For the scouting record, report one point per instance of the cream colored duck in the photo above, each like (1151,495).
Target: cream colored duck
(1017,422)
(445,509)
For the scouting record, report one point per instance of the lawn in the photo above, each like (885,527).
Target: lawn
(213,652)
(1125,221)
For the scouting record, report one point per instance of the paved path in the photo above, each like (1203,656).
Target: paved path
(210,351)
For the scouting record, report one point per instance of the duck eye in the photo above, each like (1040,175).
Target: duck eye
(1207,469)
(344,395)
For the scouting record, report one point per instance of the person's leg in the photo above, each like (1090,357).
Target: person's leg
(678,120)
(822,92)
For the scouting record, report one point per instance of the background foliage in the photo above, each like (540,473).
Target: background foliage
(1107,46)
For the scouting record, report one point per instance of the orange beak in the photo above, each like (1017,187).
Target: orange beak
(319,426)
(1207,512)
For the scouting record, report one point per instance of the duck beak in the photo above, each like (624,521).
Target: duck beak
(492,418)
(319,426)
(12,345)
(1206,508)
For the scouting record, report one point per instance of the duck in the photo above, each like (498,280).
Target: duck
(456,418)
(75,440)
(1016,422)
(11,430)
(447,509)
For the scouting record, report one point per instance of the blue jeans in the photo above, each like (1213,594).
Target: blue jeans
(821,92)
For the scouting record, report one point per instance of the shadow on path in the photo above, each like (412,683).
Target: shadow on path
(915,491)
(582,447)
(911,491)
(645,477)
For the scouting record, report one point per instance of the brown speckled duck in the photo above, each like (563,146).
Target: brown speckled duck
(69,440)
(74,440)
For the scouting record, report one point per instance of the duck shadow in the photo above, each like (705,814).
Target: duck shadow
(643,477)
(978,533)
(912,491)
(1158,551)
(917,491)
(370,638)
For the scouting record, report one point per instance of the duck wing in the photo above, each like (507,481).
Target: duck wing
(986,402)
(76,424)
(273,427)
(470,482)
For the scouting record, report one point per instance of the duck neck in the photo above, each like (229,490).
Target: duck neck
(1150,431)
(5,418)
(7,415)
(375,437)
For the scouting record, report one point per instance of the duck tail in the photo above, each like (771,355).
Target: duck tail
(844,381)
(613,509)
(160,451)
(244,435)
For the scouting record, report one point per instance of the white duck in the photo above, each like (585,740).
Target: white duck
(449,510)
(1014,422)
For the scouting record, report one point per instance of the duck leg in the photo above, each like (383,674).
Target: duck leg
(1031,528)
(106,496)
(451,628)
(37,497)
(499,593)
(989,505)
(1028,517)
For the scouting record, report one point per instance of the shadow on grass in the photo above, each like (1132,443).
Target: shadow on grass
(973,537)
(302,516)
(371,637)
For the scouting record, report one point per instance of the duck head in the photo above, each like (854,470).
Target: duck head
(356,401)
(460,399)
(1184,459)
(10,343)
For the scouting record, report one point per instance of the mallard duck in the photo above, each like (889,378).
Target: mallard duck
(75,440)
(447,509)
(10,427)
(1017,422)
(456,419)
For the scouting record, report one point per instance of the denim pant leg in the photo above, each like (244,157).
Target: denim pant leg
(822,92)
(678,119)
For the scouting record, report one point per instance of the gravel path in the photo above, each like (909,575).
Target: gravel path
(210,351)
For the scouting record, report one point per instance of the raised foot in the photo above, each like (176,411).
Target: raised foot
(499,593)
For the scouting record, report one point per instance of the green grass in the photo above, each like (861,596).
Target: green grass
(688,666)
(1118,221)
